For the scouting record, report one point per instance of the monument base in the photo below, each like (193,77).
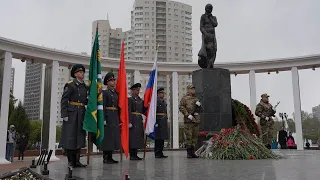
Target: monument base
(213,88)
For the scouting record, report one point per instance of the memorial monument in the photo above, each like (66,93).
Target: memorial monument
(213,85)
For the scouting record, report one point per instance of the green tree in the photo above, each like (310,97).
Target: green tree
(291,125)
(35,134)
(18,118)
(12,102)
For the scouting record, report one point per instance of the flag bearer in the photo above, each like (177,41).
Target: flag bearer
(136,129)
(111,139)
(161,127)
(73,101)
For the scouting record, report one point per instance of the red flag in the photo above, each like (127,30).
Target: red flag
(122,90)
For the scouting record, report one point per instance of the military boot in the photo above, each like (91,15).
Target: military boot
(78,163)
(193,155)
(109,159)
(70,158)
(189,155)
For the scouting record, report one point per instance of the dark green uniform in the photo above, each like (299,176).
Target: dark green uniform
(73,101)
(266,112)
(191,126)
(161,126)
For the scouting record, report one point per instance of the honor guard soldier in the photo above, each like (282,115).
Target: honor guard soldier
(111,139)
(73,101)
(136,129)
(190,107)
(161,127)
(266,112)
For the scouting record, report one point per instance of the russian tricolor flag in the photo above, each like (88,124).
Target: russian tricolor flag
(150,101)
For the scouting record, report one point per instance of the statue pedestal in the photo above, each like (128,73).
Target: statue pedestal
(213,88)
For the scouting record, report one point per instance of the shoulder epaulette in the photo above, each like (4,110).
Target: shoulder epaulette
(70,82)
(104,89)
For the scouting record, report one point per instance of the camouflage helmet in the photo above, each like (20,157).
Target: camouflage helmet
(190,86)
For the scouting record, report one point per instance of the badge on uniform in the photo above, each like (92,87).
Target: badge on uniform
(66,89)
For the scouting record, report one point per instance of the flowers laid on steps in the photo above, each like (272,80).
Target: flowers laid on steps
(235,144)
(239,143)
(24,175)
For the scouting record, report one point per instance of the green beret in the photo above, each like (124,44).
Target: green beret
(108,77)
(76,68)
(160,90)
(135,86)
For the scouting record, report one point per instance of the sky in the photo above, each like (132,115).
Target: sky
(248,30)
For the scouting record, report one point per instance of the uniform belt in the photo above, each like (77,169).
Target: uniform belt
(76,103)
(111,108)
(136,113)
(161,114)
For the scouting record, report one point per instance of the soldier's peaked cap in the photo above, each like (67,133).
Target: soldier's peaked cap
(135,86)
(265,95)
(108,77)
(160,90)
(76,68)
(190,86)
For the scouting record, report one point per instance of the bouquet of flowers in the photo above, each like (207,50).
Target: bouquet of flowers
(235,144)
(239,143)
(25,175)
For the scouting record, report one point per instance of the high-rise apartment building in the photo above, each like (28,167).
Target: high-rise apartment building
(165,26)
(316,112)
(12,79)
(109,39)
(33,91)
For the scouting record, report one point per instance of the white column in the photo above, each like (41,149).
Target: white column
(136,77)
(253,93)
(175,110)
(53,109)
(297,107)
(5,96)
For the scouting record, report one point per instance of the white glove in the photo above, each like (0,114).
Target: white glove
(156,125)
(85,106)
(104,122)
(198,103)
(267,118)
(65,119)
(190,117)
(130,125)
(275,109)
(196,114)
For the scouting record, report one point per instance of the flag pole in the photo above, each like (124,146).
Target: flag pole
(145,147)
(89,148)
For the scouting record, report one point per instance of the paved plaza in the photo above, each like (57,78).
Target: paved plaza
(296,165)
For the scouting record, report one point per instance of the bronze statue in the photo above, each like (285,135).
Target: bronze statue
(208,51)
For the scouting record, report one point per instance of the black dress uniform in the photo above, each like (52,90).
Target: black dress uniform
(161,127)
(136,131)
(73,101)
(111,139)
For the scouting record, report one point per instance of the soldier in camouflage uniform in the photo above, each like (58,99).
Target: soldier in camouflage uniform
(266,112)
(73,101)
(190,107)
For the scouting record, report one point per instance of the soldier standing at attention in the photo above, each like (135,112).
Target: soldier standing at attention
(73,101)
(265,112)
(111,139)
(136,129)
(161,127)
(190,107)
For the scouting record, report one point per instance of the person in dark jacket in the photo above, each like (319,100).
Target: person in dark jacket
(22,144)
(136,129)
(282,138)
(161,126)
(111,139)
(73,101)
